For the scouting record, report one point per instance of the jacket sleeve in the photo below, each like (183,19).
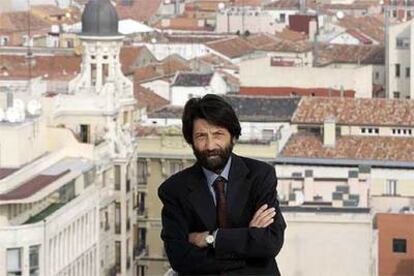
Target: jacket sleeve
(252,242)
(185,257)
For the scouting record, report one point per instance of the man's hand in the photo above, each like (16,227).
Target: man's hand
(198,239)
(263,217)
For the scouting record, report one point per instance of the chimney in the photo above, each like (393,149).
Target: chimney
(329,132)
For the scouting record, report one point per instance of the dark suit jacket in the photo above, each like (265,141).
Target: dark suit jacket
(239,250)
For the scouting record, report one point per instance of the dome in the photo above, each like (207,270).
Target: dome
(99,19)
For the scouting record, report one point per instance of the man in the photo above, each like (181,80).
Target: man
(221,216)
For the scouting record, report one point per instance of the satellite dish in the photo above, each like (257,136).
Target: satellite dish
(339,14)
(2,115)
(34,107)
(221,6)
(153,40)
(18,104)
(12,115)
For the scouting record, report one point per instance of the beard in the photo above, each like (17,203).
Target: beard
(214,160)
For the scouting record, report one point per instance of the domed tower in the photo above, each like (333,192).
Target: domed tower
(101,44)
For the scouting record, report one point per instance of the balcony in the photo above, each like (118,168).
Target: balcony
(141,250)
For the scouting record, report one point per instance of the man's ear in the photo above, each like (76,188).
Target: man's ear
(234,140)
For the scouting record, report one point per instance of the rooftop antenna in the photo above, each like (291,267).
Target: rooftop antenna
(29,50)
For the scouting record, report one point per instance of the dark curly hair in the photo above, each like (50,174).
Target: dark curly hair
(213,109)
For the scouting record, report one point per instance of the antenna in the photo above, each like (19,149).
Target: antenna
(339,14)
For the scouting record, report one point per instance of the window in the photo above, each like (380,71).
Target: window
(4,41)
(84,133)
(376,75)
(394,13)
(117,175)
(397,70)
(399,245)
(403,43)
(141,203)
(407,72)
(118,256)
(14,261)
(396,95)
(282,18)
(34,260)
(391,187)
(267,134)
(117,218)
(142,171)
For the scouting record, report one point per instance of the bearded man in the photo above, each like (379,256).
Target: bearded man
(221,216)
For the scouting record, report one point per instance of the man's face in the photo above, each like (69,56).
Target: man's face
(212,145)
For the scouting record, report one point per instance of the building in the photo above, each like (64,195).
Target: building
(68,166)
(399,80)
(257,77)
(161,154)
(395,243)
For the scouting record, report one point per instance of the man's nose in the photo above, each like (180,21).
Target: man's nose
(210,143)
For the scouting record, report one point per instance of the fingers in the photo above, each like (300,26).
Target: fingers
(263,217)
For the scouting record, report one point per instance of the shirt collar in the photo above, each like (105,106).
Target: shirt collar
(211,176)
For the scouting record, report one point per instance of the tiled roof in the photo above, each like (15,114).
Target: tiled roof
(169,111)
(290,35)
(188,38)
(217,61)
(140,10)
(298,91)
(5,172)
(142,131)
(279,44)
(355,111)
(250,3)
(50,10)
(249,109)
(192,79)
(184,23)
(146,97)
(202,6)
(306,145)
(263,109)
(49,67)
(128,56)
(362,54)
(283,4)
(232,47)
(167,68)
(19,22)
(31,186)
(371,26)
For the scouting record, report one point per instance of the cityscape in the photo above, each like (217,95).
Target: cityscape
(92,94)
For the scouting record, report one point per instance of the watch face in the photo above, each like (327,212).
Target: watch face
(210,239)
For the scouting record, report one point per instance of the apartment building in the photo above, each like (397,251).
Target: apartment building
(159,156)
(399,79)
(68,166)
(354,155)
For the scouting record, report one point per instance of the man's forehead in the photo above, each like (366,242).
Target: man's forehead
(204,125)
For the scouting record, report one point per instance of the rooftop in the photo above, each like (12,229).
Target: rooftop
(146,97)
(355,111)
(360,54)
(232,47)
(140,10)
(263,109)
(192,79)
(371,26)
(374,148)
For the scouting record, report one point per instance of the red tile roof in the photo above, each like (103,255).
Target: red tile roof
(140,10)
(128,56)
(232,47)
(31,186)
(283,4)
(50,67)
(361,54)
(147,98)
(371,26)
(355,111)
(19,22)
(167,68)
(294,91)
(307,145)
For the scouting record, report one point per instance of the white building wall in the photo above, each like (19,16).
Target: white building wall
(186,50)
(259,73)
(327,244)
(346,39)
(160,87)
(402,56)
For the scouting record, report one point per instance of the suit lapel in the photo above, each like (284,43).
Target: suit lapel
(238,189)
(201,199)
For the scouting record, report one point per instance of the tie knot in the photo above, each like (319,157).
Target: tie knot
(219,183)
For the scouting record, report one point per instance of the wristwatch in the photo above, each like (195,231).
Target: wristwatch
(210,239)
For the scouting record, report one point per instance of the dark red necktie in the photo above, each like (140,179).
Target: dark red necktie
(218,186)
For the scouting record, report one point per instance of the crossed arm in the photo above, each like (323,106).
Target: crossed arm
(262,238)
